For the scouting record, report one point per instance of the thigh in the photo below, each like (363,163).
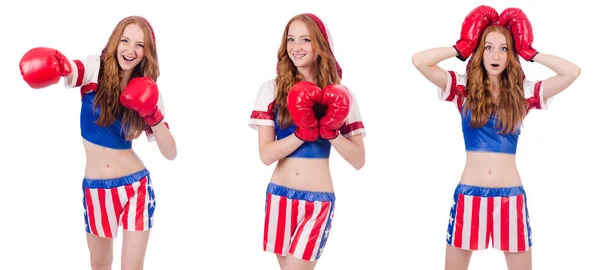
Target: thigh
(518,260)
(134,249)
(292,263)
(457,259)
(101,249)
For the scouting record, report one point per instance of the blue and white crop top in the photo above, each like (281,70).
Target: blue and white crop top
(263,114)
(488,138)
(112,136)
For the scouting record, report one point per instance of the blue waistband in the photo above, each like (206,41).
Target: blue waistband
(489,191)
(303,195)
(115,182)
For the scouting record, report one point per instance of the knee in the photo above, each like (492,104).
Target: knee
(102,262)
(130,265)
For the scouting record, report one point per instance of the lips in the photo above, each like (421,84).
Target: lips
(128,59)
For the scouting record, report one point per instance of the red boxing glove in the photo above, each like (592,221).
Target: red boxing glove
(516,20)
(338,101)
(42,67)
(301,99)
(141,95)
(473,25)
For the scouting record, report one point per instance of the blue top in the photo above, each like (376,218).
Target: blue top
(112,136)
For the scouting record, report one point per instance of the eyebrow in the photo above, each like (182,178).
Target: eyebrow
(125,37)
(300,35)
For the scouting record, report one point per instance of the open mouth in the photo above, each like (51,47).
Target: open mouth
(128,59)
(298,56)
(495,65)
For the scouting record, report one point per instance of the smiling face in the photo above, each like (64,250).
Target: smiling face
(495,56)
(299,46)
(130,51)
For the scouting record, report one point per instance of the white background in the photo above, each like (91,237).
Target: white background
(392,214)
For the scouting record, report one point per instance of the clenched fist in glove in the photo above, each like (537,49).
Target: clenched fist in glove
(141,95)
(516,20)
(302,98)
(472,28)
(42,67)
(337,100)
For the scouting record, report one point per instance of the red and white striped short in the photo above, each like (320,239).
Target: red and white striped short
(479,214)
(127,201)
(297,222)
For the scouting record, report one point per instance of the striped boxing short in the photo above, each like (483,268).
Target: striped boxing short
(109,203)
(297,222)
(479,214)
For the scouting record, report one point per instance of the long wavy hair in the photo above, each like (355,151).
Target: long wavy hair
(510,107)
(288,75)
(109,78)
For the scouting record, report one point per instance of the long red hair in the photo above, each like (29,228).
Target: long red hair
(109,90)
(510,106)
(288,75)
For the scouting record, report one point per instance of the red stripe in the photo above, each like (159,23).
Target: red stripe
(475,222)
(90,212)
(140,209)
(347,128)
(314,234)
(458,223)
(308,209)
(129,192)
(87,88)
(281,217)
(520,225)
(504,223)
(80,72)
(490,221)
(114,192)
(261,115)
(266,236)
(103,212)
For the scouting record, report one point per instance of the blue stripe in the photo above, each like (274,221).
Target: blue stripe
(151,203)
(115,182)
(323,238)
(489,191)
(294,194)
(453,218)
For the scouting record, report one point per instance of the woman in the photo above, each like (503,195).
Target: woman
(493,98)
(120,100)
(300,197)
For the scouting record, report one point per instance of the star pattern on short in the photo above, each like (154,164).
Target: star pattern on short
(151,203)
(451,220)
(448,236)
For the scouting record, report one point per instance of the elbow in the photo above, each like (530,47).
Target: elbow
(266,160)
(359,164)
(576,72)
(416,61)
(170,156)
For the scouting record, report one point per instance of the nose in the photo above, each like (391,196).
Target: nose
(130,48)
(296,46)
(496,55)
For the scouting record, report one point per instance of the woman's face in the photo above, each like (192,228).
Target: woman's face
(299,45)
(495,56)
(131,47)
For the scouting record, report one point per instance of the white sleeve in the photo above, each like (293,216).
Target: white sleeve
(161,107)
(262,113)
(354,124)
(85,74)
(534,93)
(455,90)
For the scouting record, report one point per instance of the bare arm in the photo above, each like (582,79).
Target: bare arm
(427,63)
(566,73)
(272,150)
(352,149)
(165,140)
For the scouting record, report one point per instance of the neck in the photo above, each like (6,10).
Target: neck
(307,73)
(494,85)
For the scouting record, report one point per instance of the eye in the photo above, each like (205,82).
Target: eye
(290,39)
(141,45)
(306,40)
(504,49)
(123,40)
(488,47)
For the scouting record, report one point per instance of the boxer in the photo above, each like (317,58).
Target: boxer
(299,116)
(120,101)
(493,98)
